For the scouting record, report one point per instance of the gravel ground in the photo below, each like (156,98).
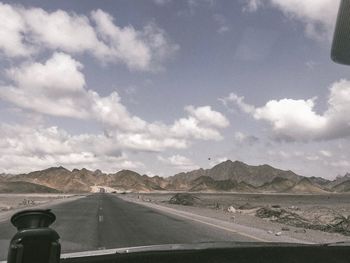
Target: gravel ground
(11,203)
(313,207)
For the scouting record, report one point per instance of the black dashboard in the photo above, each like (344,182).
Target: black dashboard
(285,253)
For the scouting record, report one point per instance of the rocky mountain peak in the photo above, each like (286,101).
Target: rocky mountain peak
(56,169)
(226,176)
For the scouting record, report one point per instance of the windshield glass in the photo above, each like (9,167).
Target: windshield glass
(161,121)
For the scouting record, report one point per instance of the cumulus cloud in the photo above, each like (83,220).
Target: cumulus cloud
(238,101)
(179,162)
(12,26)
(202,123)
(25,148)
(26,31)
(69,32)
(40,87)
(318,17)
(55,87)
(292,119)
(208,116)
(137,49)
(190,127)
(148,142)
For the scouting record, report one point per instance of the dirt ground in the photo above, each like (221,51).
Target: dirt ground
(14,201)
(328,213)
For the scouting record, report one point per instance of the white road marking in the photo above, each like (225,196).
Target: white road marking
(100,218)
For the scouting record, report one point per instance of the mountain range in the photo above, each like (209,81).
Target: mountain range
(227,176)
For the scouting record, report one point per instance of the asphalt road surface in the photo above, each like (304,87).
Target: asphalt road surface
(102,221)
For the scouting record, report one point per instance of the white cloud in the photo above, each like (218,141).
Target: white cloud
(341,163)
(60,30)
(149,142)
(112,113)
(40,87)
(190,127)
(57,87)
(312,158)
(137,49)
(12,27)
(326,153)
(252,5)
(292,119)
(48,76)
(318,16)
(243,138)
(27,31)
(222,23)
(208,116)
(237,101)
(25,148)
(179,162)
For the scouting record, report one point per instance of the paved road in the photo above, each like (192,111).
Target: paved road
(105,221)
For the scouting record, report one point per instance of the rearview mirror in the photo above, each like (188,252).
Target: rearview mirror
(341,40)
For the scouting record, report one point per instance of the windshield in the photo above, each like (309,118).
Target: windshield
(164,122)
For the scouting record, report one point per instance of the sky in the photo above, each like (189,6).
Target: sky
(165,86)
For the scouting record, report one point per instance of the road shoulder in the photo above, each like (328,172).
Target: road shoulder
(246,225)
(6,215)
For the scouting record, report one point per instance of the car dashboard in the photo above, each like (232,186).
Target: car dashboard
(218,252)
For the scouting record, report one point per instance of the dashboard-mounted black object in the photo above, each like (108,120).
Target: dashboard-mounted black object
(35,241)
(341,40)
